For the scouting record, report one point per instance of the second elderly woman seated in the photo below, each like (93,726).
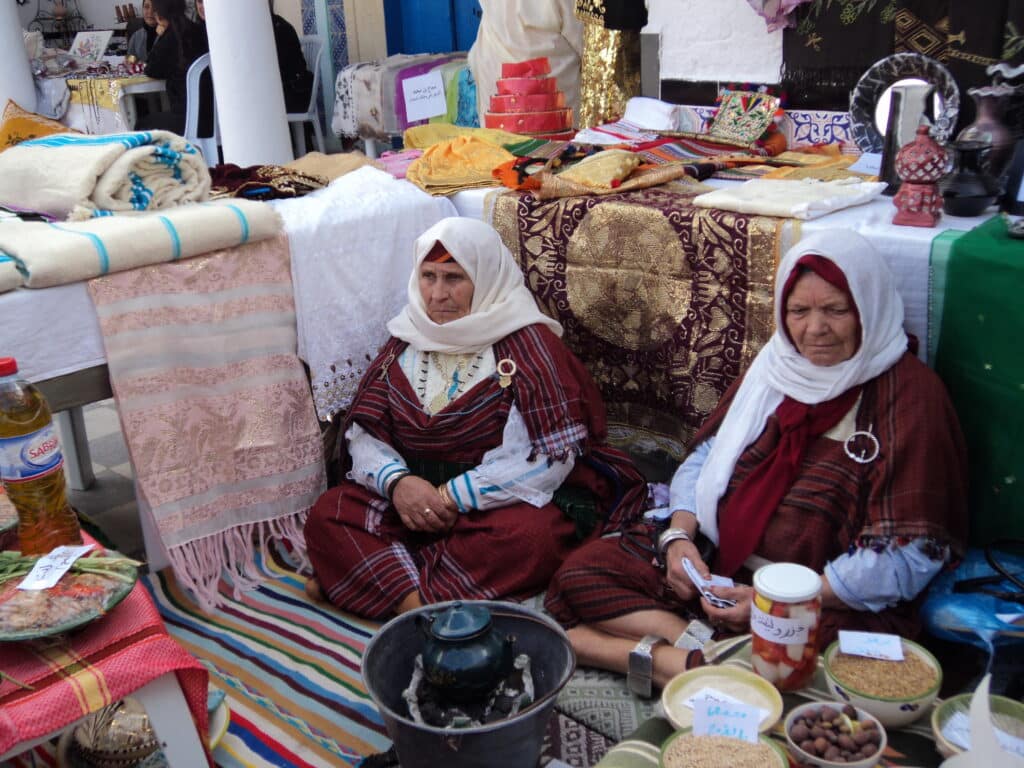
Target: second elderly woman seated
(838,450)
(476,442)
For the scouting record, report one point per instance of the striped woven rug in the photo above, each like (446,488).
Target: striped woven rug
(290,670)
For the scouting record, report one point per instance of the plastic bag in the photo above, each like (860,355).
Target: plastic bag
(976,617)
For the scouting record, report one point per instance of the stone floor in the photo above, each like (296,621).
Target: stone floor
(110,503)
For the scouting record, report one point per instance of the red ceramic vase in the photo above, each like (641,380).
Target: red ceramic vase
(920,164)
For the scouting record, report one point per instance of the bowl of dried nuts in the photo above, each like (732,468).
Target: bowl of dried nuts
(834,734)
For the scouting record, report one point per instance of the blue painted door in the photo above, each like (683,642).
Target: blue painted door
(430,26)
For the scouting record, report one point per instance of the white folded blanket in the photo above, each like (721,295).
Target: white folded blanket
(73,176)
(797,199)
(47,254)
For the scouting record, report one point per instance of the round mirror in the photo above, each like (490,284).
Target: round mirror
(885,100)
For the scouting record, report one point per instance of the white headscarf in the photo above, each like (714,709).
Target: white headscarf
(501,301)
(779,370)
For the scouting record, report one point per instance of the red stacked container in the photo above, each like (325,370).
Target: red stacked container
(529,102)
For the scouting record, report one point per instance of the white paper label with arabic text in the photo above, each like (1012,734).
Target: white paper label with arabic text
(732,720)
(777,629)
(873,645)
(424,96)
(715,695)
(49,568)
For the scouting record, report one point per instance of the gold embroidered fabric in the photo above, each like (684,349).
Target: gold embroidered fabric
(609,73)
(743,116)
(665,303)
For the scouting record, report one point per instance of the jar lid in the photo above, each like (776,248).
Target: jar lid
(787,582)
(460,622)
(8,366)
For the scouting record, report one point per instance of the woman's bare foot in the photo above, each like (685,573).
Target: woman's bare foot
(313,591)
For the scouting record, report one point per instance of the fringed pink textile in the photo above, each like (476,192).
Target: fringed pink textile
(215,407)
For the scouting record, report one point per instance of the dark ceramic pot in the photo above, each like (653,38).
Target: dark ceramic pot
(969,190)
(463,656)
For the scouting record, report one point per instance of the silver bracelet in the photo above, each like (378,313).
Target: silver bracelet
(667,537)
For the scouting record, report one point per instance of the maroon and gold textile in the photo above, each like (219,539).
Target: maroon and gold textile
(366,560)
(915,488)
(663,302)
(73,675)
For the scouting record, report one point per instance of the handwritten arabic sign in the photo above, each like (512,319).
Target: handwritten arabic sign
(424,96)
(48,569)
(732,720)
(716,696)
(777,629)
(874,645)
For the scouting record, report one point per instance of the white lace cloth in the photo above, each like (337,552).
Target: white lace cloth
(352,250)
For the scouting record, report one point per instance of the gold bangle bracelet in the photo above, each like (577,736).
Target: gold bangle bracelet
(446,497)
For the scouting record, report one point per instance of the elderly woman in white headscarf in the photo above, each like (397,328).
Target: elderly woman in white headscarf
(838,450)
(475,444)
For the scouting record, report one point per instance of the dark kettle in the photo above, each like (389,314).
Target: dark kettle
(463,656)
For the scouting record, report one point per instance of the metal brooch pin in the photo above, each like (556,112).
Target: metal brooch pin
(863,457)
(506,370)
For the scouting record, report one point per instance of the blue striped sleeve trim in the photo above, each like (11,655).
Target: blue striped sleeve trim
(97,243)
(175,240)
(243,220)
(469,490)
(387,472)
(463,509)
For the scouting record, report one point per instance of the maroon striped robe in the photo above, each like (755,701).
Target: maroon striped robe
(915,488)
(367,561)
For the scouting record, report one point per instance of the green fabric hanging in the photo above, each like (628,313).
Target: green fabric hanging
(980,358)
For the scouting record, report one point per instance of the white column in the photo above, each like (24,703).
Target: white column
(15,74)
(247,83)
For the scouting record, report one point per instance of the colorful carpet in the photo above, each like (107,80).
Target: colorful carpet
(291,672)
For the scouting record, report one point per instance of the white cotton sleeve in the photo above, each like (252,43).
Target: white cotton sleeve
(867,580)
(374,462)
(683,490)
(506,474)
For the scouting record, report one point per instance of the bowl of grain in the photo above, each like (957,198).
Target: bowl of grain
(735,683)
(896,692)
(950,722)
(826,734)
(685,750)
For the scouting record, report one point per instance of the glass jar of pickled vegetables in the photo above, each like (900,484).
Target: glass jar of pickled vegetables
(784,622)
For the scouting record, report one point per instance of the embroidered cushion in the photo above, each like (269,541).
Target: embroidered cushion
(744,116)
(604,170)
(18,125)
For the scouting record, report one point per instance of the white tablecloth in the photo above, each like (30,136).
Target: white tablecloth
(54,331)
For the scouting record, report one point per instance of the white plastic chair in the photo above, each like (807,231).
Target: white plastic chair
(207,144)
(312,51)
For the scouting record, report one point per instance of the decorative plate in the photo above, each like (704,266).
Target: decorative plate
(78,599)
(888,71)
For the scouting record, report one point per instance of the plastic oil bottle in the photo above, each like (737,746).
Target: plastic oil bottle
(32,466)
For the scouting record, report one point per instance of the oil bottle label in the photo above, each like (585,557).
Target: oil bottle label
(28,456)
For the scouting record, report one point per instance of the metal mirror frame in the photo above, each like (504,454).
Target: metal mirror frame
(885,73)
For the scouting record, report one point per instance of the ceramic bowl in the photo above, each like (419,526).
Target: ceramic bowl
(739,683)
(805,758)
(890,712)
(1007,716)
(780,761)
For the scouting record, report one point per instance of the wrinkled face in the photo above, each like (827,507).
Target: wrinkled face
(201,10)
(821,321)
(447,291)
(148,15)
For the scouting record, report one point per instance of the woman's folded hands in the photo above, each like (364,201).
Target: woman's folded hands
(421,507)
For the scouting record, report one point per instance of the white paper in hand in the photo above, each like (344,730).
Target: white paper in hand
(703,585)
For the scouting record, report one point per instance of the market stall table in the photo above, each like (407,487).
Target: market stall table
(51,683)
(98,104)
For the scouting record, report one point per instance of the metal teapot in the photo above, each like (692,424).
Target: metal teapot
(463,656)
